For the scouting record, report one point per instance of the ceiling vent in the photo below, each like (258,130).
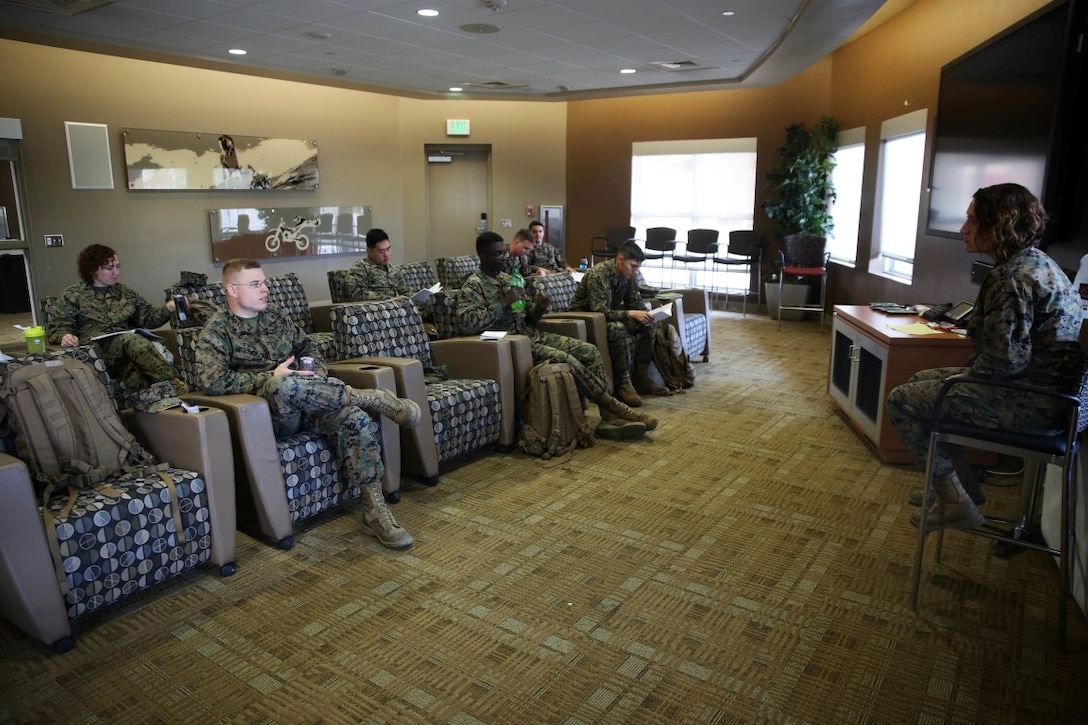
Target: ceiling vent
(679,65)
(496,85)
(68,7)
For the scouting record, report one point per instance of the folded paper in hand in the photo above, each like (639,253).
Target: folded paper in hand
(662,313)
(421,297)
(577,276)
(135,331)
(493,334)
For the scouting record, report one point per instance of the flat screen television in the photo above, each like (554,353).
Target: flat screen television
(1003,115)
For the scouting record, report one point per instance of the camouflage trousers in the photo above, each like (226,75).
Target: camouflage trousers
(910,410)
(320,405)
(133,361)
(630,343)
(584,359)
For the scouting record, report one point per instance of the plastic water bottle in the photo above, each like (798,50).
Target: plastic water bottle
(516,280)
(583,263)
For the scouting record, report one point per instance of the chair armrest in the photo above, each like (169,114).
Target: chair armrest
(321,314)
(30,596)
(198,442)
(261,504)
(490,359)
(563,324)
(374,377)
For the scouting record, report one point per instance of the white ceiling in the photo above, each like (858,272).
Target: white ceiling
(545,49)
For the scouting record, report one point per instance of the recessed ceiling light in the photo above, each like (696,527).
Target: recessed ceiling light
(320,36)
(628,71)
(236,51)
(727,13)
(456,89)
(427,12)
(481,28)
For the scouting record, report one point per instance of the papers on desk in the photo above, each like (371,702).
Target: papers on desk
(577,276)
(662,313)
(493,334)
(424,295)
(916,328)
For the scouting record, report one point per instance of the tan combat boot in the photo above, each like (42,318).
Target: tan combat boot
(617,409)
(954,509)
(403,411)
(644,385)
(626,392)
(378,520)
(615,428)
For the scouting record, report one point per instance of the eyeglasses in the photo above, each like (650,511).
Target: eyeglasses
(503,253)
(255,284)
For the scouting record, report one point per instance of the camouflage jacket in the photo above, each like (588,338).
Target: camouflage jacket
(603,290)
(549,257)
(1026,323)
(479,307)
(370,281)
(87,311)
(238,355)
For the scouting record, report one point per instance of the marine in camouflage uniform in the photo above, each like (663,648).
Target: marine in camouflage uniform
(86,311)
(1024,328)
(481,306)
(631,342)
(545,256)
(240,355)
(371,281)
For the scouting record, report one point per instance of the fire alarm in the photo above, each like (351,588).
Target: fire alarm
(529,209)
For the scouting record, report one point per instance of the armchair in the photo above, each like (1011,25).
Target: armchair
(660,242)
(607,246)
(452,271)
(745,250)
(474,408)
(45,602)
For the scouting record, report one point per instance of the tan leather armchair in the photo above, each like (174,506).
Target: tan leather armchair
(30,594)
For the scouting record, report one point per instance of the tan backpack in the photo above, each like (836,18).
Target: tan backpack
(556,424)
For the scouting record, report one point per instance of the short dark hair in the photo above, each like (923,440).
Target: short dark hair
(486,239)
(535,223)
(630,250)
(235,266)
(91,259)
(374,236)
(1013,215)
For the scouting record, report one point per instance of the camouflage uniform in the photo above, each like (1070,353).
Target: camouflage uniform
(239,355)
(1024,328)
(546,256)
(603,290)
(370,281)
(87,311)
(479,308)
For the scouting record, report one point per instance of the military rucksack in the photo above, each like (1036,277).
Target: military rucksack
(671,361)
(556,423)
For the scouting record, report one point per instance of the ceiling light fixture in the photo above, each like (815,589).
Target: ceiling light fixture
(427,12)
(236,51)
(628,71)
(456,89)
(320,36)
(728,13)
(495,5)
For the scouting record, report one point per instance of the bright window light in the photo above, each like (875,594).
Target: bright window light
(846,211)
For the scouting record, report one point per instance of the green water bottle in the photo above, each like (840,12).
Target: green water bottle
(516,280)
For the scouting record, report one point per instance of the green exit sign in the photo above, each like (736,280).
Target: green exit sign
(457,127)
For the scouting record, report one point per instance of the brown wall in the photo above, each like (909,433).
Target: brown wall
(370,151)
(893,70)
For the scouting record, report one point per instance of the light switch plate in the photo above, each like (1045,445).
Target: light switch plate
(54,240)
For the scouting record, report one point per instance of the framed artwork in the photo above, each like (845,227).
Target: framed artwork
(552,219)
(280,232)
(89,155)
(180,160)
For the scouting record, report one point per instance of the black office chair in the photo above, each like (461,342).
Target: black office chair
(608,246)
(1061,449)
(745,250)
(701,247)
(660,243)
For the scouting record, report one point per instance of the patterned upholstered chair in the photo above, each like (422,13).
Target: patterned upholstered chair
(561,288)
(112,546)
(690,315)
(338,285)
(293,478)
(452,271)
(285,292)
(419,275)
(472,409)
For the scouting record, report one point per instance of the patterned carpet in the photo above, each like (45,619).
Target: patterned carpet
(749,562)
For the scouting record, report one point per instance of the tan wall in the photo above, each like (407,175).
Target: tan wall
(370,151)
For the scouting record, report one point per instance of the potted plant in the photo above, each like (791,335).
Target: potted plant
(803,194)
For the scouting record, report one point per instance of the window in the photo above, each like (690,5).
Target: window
(902,155)
(846,211)
(692,184)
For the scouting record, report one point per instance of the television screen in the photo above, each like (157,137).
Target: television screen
(996,116)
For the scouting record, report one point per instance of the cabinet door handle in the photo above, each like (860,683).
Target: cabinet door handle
(855,353)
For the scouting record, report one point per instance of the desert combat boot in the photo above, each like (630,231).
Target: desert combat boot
(378,520)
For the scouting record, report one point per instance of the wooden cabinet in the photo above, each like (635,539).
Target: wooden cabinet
(869,358)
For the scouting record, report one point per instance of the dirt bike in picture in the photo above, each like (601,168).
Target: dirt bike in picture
(285,234)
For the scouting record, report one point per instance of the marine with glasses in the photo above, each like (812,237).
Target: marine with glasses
(99,305)
(1025,327)
(253,348)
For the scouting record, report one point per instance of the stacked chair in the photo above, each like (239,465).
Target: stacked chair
(472,409)
(45,602)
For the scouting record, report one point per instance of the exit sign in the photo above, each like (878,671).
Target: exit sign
(457,127)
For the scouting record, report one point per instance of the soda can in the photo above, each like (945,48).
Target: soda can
(306,364)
